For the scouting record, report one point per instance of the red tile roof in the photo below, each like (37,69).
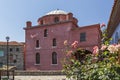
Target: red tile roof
(12,43)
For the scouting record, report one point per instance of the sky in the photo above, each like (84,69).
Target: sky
(15,13)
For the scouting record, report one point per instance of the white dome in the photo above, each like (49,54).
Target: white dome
(56,12)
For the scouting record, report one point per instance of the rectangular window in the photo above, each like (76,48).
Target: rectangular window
(15,61)
(82,37)
(17,49)
(11,49)
(1,53)
(1,64)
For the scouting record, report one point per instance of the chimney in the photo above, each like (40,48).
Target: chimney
(28,24)
(69,16)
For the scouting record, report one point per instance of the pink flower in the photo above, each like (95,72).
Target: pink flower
(103,47)
(65,42)
(95,50)
(102,25)
(112,48)
(69,53)
(74,44)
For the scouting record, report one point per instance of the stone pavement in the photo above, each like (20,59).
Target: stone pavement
(37,75)
(41,78)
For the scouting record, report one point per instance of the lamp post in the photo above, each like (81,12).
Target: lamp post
(7,38)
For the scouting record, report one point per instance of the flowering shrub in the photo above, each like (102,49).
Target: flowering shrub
(101,64)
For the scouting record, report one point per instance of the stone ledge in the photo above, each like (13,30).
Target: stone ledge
(38,73)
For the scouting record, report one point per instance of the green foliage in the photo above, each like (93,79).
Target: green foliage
(103,66)
(4,78)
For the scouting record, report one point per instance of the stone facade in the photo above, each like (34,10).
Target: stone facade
(15,52)
(44,42)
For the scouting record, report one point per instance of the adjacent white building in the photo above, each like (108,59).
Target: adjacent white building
(116,34)
(114,23)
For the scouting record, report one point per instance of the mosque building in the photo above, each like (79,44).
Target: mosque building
(44,48)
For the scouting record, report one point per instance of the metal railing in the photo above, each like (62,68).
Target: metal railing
(3,74)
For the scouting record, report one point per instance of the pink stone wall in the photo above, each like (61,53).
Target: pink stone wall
(48,19)
(92,36)
(61,31)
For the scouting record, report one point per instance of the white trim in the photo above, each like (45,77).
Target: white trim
(54,64)
(37,64)
(54,46)
(37,47)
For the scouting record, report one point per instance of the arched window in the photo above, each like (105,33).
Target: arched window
(54,58)
(54,42)
(45,32)
(37,43)
(37,56)
(56,19)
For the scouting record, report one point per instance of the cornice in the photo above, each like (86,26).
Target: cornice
(46,25)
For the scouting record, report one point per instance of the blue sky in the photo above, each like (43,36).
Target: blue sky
(15,13)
